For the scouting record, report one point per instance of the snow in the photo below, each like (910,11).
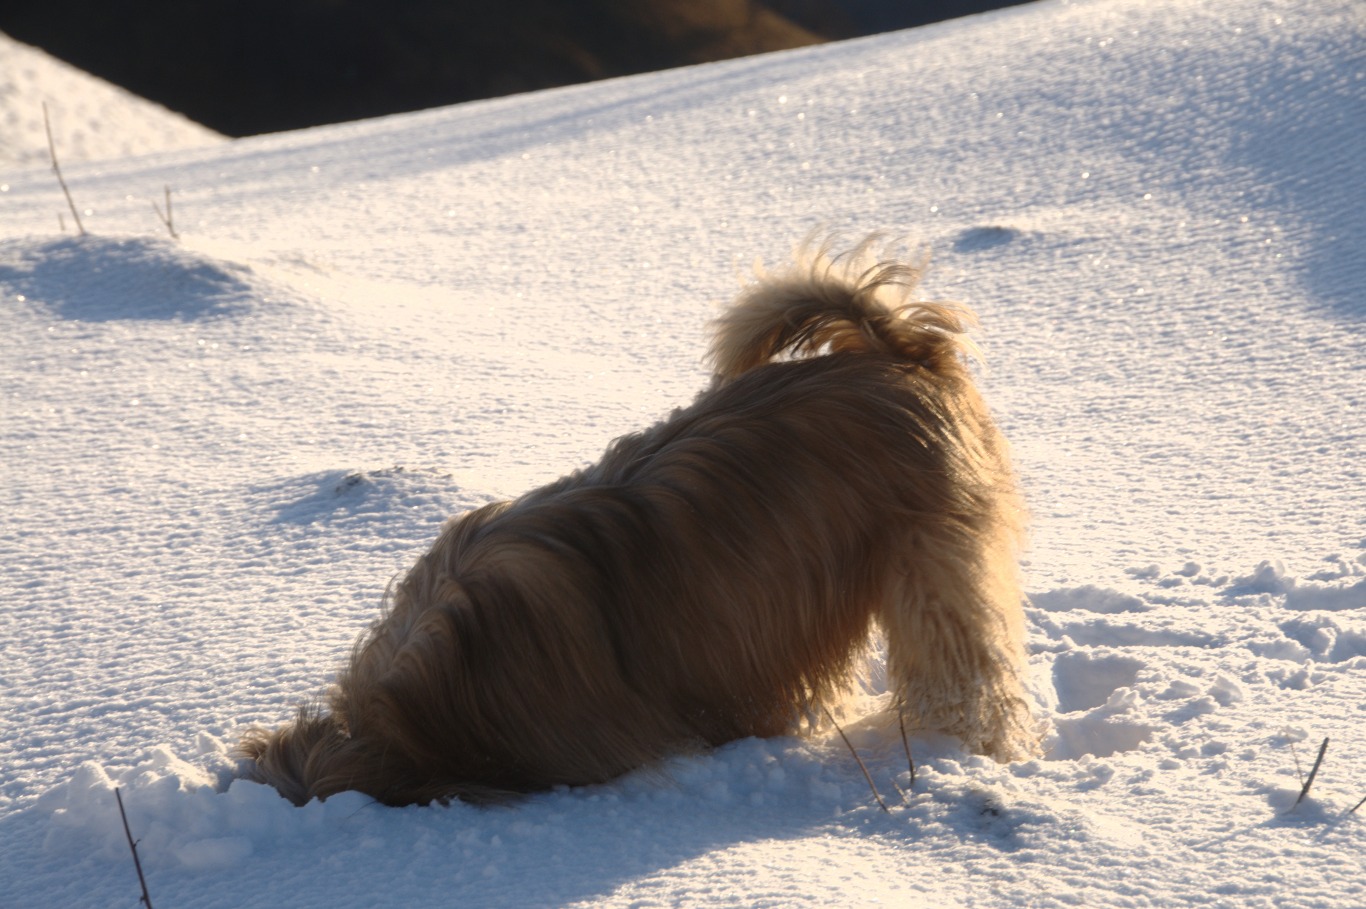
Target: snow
(90,118)
(217,452)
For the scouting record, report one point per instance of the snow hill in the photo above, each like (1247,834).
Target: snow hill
(91,119)
(216,452)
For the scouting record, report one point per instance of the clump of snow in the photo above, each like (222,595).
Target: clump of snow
(1088,597)
(90,118)
(1346,590)
(218,452)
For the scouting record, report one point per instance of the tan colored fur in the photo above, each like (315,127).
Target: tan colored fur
(712,577)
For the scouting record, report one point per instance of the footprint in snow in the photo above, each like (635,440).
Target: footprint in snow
(979,239)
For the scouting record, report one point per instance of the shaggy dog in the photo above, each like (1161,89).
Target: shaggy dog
(712,577)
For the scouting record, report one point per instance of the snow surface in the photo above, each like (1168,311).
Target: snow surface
(216,453)
(90,118)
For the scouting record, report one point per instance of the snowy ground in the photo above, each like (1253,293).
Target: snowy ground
(215,453)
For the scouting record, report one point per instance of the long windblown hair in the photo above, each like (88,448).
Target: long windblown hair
(712,577)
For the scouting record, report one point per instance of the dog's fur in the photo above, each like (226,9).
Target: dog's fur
(713,577)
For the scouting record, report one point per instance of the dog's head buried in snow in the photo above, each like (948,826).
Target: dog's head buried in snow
(712,577)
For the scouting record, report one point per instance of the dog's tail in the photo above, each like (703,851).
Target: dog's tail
(850,303)
(953,619)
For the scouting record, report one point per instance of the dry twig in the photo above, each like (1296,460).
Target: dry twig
(56,169)
(1313,772)
(166,217)
(146,899)
(862,766)
(906,746)
(905,743)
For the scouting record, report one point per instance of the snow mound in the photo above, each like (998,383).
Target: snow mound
(98,279)
(91,119)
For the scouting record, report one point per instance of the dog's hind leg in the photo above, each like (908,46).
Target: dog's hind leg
(953,620)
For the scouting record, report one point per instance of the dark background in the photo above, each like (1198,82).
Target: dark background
(254,66)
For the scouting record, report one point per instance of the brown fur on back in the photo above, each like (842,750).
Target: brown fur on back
(712,577)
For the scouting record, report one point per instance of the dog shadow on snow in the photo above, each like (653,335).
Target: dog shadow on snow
(584,844)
